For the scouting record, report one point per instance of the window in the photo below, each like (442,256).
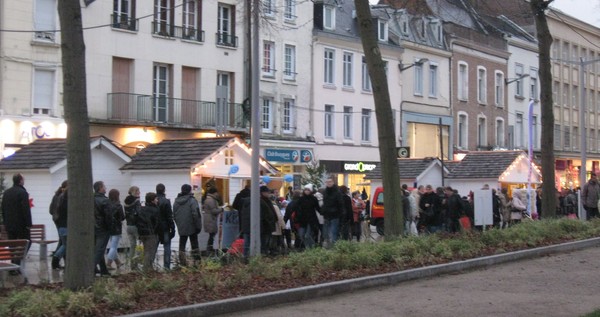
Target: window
(499,132)
(348,76)
(575,51)
(592,140)
(289,62)
(289,11)
(481,132)
(533,84)
(45,20)
(575,97)
(269,7)
(462,130)
(192,28)
(43,91)
(267,116)
(226,25)
(366,79)
(365,135)
(224,79)
(519,131)
(534,131)
(481,85)
(499,90)
(555,93)
(565,94)
(555,47)
(382,30)
(228,156)
(433,88)
(463,81)
(567,137)
(576,138)
(268,68)
(404,25)
(418,84)
(348,123)
(519,82)
(160,92)
(557,136)
(329,17)
(566,53)
(328,66)
(164,14)
(328,124)
(124,14)
(288,115)
(436,29)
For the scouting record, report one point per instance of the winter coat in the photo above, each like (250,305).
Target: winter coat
(505,207)
(53,208)
(590,194)
(333,203)
(279,224)
(16,210)
(61,210)
(211,212)
(348,214)
(454,207)
(132,209)
(245,215)
(147,222)
(306,210)
(116,210)
(435,206)
(358,206)
(165,219)
(102,213)
(268,218)
(238,203)
(186,211)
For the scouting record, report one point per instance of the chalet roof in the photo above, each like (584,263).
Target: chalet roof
(484,164)
(408,168)
(176,154)
(43,154)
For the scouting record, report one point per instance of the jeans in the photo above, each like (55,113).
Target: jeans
(114,245)
(265,243)
(101,239)
(330,230)
(150,243)
(167,250)
(132,234)
(211,241)
(306,236)
(62,249)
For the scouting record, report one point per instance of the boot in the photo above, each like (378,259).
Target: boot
(182,259)
(56,263)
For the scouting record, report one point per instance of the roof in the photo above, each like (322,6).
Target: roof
(484,164)
(45,153)
(176,154)
(408,168)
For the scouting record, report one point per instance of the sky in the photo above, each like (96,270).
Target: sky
(585,10)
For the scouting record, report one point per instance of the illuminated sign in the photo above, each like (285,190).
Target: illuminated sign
(359,166)
(288,156)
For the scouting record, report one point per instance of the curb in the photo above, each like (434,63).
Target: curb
(327,289)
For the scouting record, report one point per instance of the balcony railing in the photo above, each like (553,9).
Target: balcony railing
(124,22)
(134,108)
(169,30)
(226,39)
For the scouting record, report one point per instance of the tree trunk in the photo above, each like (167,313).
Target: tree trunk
(544,37)
(385,123)
(79,273)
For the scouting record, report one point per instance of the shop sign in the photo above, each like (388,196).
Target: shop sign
(359,167)
(288,156)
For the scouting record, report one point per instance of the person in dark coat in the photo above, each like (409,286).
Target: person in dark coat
(289,213)
(186,211)
(347,218)
(211,211)
(238,201)
(431,204)
(245,224)
(16,211)
(103,222)
(268,218)
(116,228)
(147,225)
(53,209)
(132,209)
(61,223)
(454,209)
(166,225)
(332,210)
(306,216)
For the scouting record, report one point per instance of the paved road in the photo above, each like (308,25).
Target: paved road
(560,285)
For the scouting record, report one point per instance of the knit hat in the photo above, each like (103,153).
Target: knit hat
(186,189)
(308,186)
(264,189)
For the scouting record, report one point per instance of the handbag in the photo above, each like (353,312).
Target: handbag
(465,223)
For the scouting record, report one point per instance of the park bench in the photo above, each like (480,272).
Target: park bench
(12,250)
(38,236)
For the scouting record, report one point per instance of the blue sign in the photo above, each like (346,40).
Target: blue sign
(306,156)
(280,155)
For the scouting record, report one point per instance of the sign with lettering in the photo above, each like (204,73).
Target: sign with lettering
(231,227)
(288,155)
(358,167)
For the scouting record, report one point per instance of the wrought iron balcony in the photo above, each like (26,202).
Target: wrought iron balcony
(135,108)
(124,22)
(169,30)
(227,39)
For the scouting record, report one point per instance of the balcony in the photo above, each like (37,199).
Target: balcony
(185,33)
(226,39)
(124,22)
(161,111)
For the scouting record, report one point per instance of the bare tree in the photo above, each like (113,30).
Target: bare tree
(385,125)
(79,271)
(538,8)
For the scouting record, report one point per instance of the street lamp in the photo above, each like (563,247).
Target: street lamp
(512,80)
(420,61)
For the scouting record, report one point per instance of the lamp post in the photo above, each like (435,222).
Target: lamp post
(420,61)
(530,154)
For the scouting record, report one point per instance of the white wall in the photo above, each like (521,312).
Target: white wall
(464,186)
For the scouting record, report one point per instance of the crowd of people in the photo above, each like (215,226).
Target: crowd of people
(304,218)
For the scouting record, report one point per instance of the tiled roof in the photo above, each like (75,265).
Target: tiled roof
(408,168)
(175,154)
(484,164)
(40,154)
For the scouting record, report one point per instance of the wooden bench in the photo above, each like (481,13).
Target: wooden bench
(11,250)
(38,236)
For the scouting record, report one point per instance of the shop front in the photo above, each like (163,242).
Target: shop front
(350,173)
(290,159)
(567,172)
(17,132)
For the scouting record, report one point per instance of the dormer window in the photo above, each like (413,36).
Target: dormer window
(436,29)
(382,30)
(404,25)
(329,17)
(421,28)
